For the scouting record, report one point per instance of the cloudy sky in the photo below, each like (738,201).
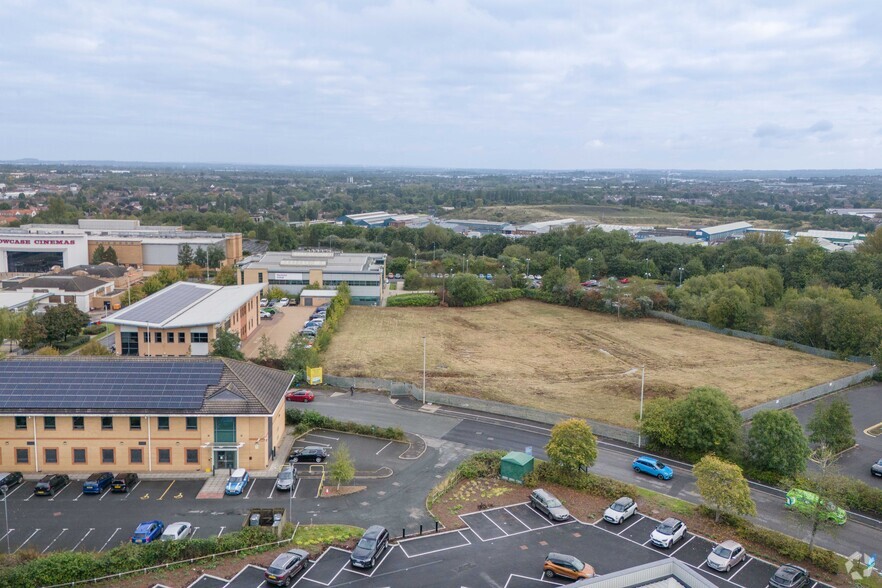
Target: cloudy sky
(498,83)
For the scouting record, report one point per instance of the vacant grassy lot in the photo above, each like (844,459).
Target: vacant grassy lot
(564,359)
(610,214)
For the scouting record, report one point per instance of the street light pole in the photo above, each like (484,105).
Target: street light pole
(642,384)
(680,269)
(4,489)
(591,268)
(558,260)
(424,369)
(528,266)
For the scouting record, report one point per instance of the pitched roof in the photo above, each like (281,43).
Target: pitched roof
(101,270)
(64,283)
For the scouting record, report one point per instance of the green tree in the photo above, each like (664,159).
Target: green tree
(412,279)
(215,256)
(572,445)
(225,276)
(226,344)
(10,325)
(98,254)
(466,290)
(33,333)
(200,258)
(63,321)
(777,444)
(722,485)
(47,350)
(152,285)
(267,350)
(276,293)
(185,255)
(110,256)
(94,347)
(731,308)
(831,425)
(341,469)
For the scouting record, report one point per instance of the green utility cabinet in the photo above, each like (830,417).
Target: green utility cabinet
(515,466)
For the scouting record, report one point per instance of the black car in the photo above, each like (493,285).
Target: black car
(286,566)
(790,576)
(371,545)
(50,484)
(311,453)
(124,482)
(876,468)
(97,483)
(10,479)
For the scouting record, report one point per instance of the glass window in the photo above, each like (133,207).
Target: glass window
(192,456)
(21,422)
(225,429)
(136,456)
(50,455)
(146,336)
(162,423)
(192,424)
(79,456)
(106,423)
(169,337)
(107,455)
(164,455)
(23,455)
(135,423)
(49,423)
(259,277)
(79,423)
(129,340)
(199,337)
(157,336)
(182,337)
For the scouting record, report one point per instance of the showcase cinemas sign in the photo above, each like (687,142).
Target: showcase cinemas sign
(37,242)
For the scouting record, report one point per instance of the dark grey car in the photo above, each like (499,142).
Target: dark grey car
(790,576)
(370,547)
(876,468)
(547,504)
(286,478)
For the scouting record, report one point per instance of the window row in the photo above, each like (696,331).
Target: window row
(79,423)
(181,337)
(108,455)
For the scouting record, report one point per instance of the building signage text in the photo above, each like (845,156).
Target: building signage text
(37,242)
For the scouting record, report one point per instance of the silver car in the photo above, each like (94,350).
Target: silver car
(546,503)
(725,556)
(286,478)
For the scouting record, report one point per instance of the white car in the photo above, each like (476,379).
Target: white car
(264,301)
(265,315)
(176,532)
(284,302)
(668,532)
(620,510)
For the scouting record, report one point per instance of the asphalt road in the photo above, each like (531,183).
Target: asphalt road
(477,431)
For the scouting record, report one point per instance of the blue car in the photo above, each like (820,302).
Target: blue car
(653,467)
(148,532)
(97,483)
(237,482)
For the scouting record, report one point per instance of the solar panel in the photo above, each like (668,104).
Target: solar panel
(164,304)
(108,385)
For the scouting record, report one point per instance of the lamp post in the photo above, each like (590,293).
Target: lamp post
(4,489)
(424,369)
(642,383)
(680,269)
(591,268)
(528,266)
(433,251)
(558,260)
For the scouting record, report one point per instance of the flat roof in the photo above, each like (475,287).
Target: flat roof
(13,299)
(319,293)
(820,234)
(726,228)
(326,260)
(185,304)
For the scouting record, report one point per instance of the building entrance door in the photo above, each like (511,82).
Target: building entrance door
(225,460)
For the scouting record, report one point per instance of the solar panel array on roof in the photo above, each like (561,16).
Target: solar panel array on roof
(111,385)
(164,304)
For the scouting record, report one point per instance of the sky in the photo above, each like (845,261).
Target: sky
(508,84)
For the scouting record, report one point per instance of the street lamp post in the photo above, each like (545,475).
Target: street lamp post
(528,266)
(4,489)
(424,369)
(558,260)
(642,384)
(591,268)
(680,269)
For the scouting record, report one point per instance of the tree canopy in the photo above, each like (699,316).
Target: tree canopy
(722,485)
(776,443)
(572,445)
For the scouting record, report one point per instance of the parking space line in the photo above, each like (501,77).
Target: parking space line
(112,535)
(323,437)
(21,485)
(273,490)
(193,532)
(313,443)
(6,533)
(384,447)
(29,497)
(681,546)
(253,482)
(526,526)
(66,486)
(51,543)
(540,579)
(639,518)
(383,557)
(78,497)
(743,565)
(221,532)
(129,493)
(26,540)
(74,548)
(166,490)
(103,494)
(297,485)
(422,553)
(504,532)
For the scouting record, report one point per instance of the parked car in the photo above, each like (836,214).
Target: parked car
(589,284)
(265,315)
(124,482)
(50,484)
(567,566)
(284,302)
(790,576)
(311,453)
(725,556)
(273,302)
(287,478)
(668,532)
(308,331)
(318,315)
(299,396)
(270,310)
(237,482)
(176,532)
(653,467)
(264,301)
(876,468)
(10,479)
(620,510)
(286,566)
(148,532)
(371,546)
(97,483)
(546,503)
(808,502)
(489,276)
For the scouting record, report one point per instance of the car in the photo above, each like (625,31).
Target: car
(808,503)
(311,453)
(668,532)
(287,478)
(725,556)
(124,482)
(567,566)
(649,465)
(148,532)
(10,479)
(284,302)
(620,510)
(876,468)
(50,484)
(312,325)
(273,302)
(371,546)
(489,276)
(299,396)
(237,482)
(270,310)
(318,315)
(286,566)
(176,532)
(589,283)
(263,302)
(790,576)
(97,483)
(397,276)
(545,502)
(625,281)
(308,331)
(266,316)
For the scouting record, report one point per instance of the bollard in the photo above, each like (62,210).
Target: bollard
(402,534)
(421,528)
(436,526)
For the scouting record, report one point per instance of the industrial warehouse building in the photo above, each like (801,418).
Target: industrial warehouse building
(75,414)
(292,271)
(37,248)
(722,232)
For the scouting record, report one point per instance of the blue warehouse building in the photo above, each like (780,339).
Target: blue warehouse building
(723,232)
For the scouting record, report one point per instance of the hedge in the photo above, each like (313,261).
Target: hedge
(65,567)
(304,420)
(584,482)
(498,295)
(71,342)
(413,300)
(94,329)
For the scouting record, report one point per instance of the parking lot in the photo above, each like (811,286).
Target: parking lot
(506,547)
(287,320)
(72,521)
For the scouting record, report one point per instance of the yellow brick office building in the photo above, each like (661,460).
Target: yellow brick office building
(79,415)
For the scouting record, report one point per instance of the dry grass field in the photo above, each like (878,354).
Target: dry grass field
(563,359)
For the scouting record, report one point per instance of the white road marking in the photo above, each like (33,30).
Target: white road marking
(26,540)
(63,531)
(273,490)
(6,533)
(132,489)
(193,534)
(21,485)
(221,532)
(52,499)
(384,447)
(528,527)
(253,482)
(743,565)
(297,485)
(78,497)
(83,539)
(103,547)
(323,437)
(681,546)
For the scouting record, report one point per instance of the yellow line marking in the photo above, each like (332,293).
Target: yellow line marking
(166,490)
(145,497)
(179,495)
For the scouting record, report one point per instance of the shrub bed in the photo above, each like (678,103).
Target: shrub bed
(71,342)
(413,300)
(304,420)
(94,329)
(585,482)
(484,464)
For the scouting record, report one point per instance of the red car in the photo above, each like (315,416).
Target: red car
(625,281)
(300,395)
